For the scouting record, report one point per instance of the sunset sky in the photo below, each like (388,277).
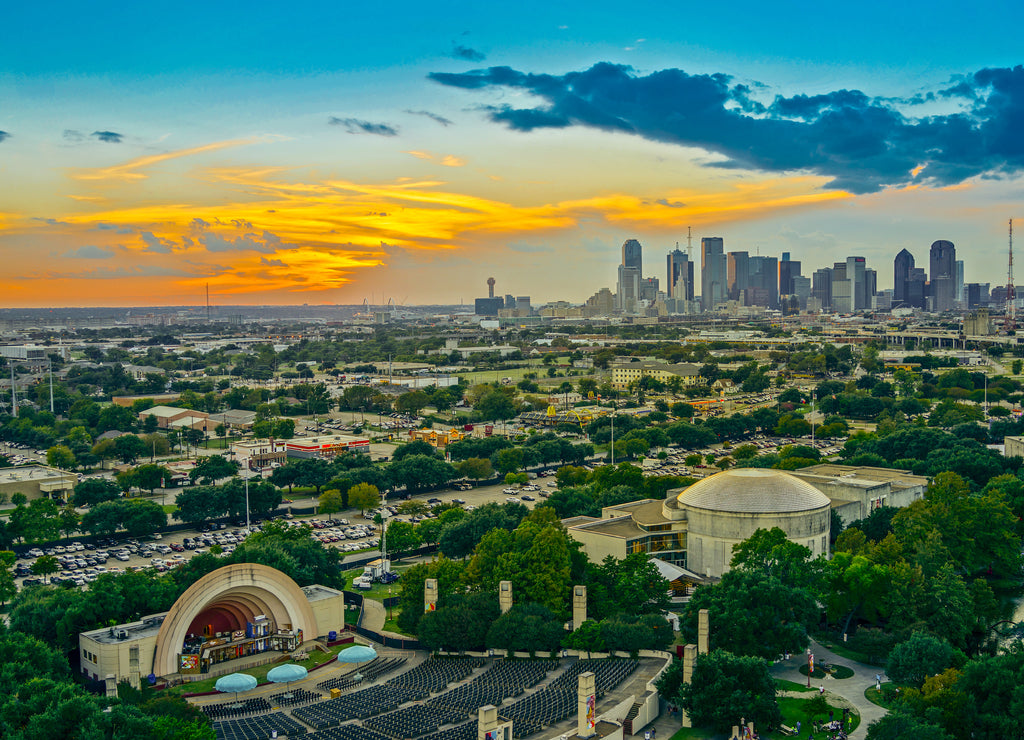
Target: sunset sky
(331,152)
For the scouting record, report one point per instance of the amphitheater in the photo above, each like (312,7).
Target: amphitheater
(405,694)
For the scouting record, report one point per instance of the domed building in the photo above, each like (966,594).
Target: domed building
(728,507)
(694,529)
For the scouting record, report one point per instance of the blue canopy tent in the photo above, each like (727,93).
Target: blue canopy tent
(357,654)
(286,674)
(235,683)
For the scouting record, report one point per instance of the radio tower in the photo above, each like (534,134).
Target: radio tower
(1011,292)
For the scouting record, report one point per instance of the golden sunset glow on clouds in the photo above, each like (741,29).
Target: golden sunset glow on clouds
(272,232)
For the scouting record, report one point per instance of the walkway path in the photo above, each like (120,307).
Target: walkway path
(374,615)
(848,691)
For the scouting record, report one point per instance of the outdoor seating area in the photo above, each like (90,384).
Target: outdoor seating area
(233,709)
(608,673)
(472,696)
(258,728)
(414,721)
(558,700)
(357,705)
(465,731)
(371,671)
(539,710)
(435,674)
(377,712)
(350,732)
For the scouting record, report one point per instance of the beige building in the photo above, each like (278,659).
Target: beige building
(169,417)
(696,528)
(627,372)
(224,621)
(37,481)
(856,491)
(1014,446)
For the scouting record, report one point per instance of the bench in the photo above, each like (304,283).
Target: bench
(787,730)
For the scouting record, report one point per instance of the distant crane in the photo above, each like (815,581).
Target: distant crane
(1011,292)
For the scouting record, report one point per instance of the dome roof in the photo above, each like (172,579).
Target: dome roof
(753,491)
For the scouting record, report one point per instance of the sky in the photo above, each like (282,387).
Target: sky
(338,152)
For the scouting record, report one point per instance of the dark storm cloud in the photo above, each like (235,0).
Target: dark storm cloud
(862,143)
(4,135)
(432,116)
(355,126)
(109,137)
(470,55)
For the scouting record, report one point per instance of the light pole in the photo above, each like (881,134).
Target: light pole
(613,438)
(248,528)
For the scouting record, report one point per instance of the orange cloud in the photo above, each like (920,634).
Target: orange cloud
(263,231)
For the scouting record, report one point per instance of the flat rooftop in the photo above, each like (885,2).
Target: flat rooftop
(146,627)
(319,593)
(33,473)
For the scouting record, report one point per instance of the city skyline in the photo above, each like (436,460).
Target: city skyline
(372,152)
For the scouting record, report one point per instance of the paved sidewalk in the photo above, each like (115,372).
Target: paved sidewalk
(849,691)
(374,615)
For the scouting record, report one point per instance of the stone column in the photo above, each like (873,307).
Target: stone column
(505,596)
(579,606)
(703,632)
(689,656)
(586,705)
(430,595)
(490,727)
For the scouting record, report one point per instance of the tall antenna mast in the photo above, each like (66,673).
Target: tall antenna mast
(1011,292)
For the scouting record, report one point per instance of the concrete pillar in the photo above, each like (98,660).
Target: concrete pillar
(586,705)
(505,596)
(490,727)
(689,657)
(579,606)
(430,595)
(703,632)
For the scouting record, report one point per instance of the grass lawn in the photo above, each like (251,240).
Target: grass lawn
(693,733)
(259,672)
(840,649)
(875,696)
(792,710)
(379,591)
(169,508)
(391,625)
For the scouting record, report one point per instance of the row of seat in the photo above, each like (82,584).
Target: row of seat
(349,732)
(413,721)
(295,698)
(470,697)
(466,731)
(258,728)
(539,710)
(229,710)
(367,702)
(435,674)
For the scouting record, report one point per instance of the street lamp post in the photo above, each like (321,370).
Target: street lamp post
(248,528)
